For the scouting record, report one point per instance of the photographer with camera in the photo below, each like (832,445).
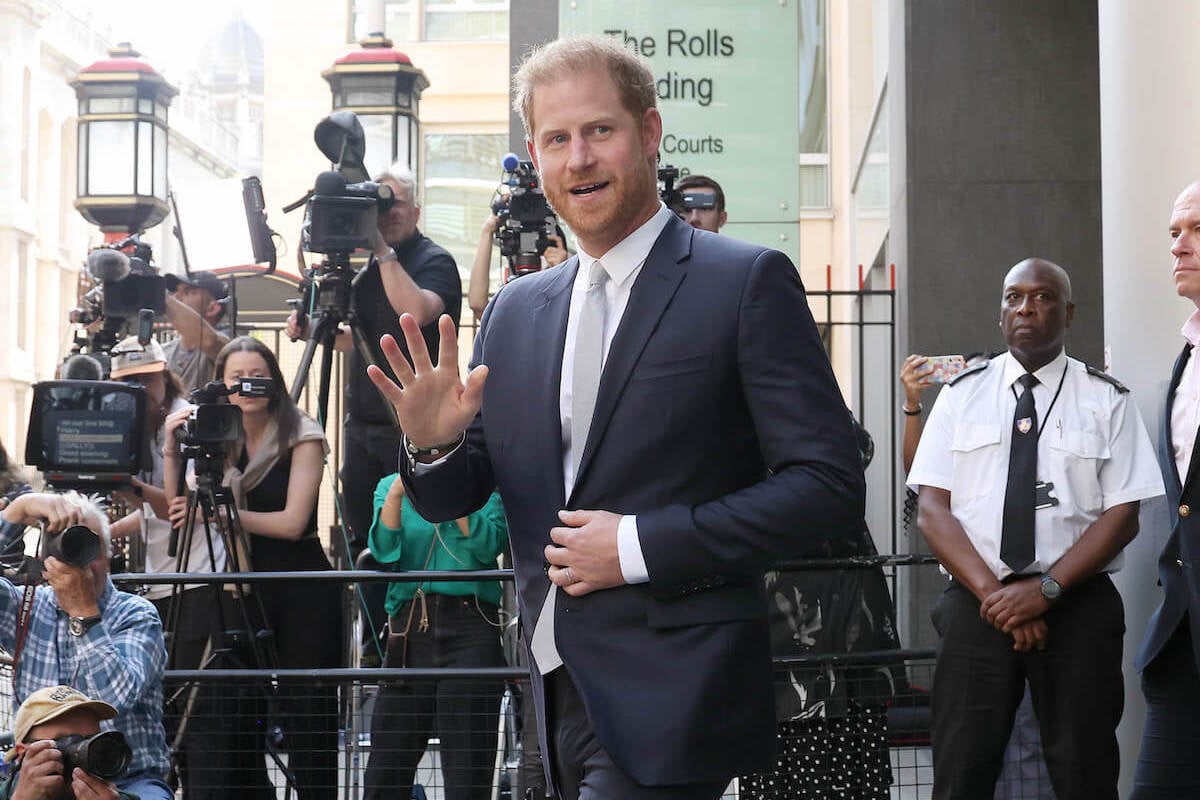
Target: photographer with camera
(406,274)
(274,473)
(60,752)
(701,203)
(196,307)
(479,287)
(80,631)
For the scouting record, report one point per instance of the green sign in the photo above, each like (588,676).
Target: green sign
(727,87)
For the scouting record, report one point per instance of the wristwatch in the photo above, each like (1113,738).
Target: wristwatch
(1051,589)
(81,625)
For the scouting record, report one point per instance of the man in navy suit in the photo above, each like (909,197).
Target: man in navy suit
(1167,764)
(663,424)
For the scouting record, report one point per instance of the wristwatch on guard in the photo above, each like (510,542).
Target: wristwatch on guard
(81,625)
(1051,589)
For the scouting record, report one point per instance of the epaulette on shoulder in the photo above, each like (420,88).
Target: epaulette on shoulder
(974,369)
(1109,379)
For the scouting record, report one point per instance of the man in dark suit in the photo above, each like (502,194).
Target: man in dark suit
(1167,764)
(662,422)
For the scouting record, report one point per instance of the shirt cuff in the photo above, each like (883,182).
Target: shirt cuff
(629,551)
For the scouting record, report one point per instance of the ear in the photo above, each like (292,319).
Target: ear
(721,219)
(533,156)
(1070,314)
(213,311)
(416,214)
(652,128)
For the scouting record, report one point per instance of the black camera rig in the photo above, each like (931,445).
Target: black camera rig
(525,220)
(127,288)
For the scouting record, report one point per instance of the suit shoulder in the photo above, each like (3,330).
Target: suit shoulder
(975,369)
(1109,379)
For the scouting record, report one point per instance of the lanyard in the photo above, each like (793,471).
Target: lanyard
(1061,380)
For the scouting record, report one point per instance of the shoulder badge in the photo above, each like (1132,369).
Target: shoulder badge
(1109,379)
(974,369)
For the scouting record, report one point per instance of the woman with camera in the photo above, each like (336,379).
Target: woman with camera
(274,473)
(437,624)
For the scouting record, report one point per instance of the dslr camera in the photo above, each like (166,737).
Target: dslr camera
(525,219)
(105,755)
(128,288)
(344,205)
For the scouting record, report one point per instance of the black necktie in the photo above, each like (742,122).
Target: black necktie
(1017,538)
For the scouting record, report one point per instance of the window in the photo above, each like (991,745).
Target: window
(460,20)
(813,39)
(462,171)
(436,20)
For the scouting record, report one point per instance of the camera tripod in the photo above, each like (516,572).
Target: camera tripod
(328,292)
(232,644)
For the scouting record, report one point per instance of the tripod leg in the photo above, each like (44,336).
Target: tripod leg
(301,378)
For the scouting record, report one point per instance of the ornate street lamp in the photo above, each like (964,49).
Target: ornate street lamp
(122,181)
(380,85)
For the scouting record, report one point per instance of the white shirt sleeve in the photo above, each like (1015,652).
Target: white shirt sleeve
(933,463)
(1131,472)
(629,551)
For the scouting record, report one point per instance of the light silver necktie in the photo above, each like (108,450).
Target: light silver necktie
(585,383)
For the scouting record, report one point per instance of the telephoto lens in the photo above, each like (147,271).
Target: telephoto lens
(78,546)
(105,755)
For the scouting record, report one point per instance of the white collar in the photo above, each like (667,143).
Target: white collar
(1049,375)
(623,258)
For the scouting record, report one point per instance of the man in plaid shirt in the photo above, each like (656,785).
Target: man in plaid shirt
(83,633)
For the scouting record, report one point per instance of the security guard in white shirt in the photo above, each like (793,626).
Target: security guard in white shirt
(1030,472)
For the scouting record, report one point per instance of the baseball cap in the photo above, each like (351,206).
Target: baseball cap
(203,280)
(130,358)
(49,704)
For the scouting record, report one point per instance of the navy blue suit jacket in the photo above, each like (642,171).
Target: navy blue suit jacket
(718,422)
(1179,563)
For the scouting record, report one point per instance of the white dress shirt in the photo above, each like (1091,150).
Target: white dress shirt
(1093,448)
(1185,407)
(623,263)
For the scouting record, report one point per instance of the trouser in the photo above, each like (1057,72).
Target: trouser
(220,750)
(1168,766)
(463,714)
(583,770)
(1075,683)
(370,453)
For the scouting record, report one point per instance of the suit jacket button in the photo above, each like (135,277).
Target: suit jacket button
(1179,563)
(1185,510)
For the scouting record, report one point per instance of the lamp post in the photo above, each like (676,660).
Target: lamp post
(380,85)
(122,180)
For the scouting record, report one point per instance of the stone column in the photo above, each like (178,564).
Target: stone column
(1148,153)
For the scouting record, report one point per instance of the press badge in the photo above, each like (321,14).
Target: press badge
(1044,495)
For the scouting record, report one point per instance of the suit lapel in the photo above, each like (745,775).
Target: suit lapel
(651,294)
(549,330)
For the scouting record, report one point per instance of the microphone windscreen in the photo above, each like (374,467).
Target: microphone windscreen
(510,162)
(330,183)
(107,264)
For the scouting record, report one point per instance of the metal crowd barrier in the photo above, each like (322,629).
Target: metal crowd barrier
(307,733)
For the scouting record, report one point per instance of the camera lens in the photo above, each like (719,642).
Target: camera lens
(77,546)
(108,755)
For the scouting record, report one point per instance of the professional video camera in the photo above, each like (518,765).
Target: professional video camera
(87,435)
(667,175)
(526,221)
(344,204)
(213,424)
(129,287)
(105,755)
